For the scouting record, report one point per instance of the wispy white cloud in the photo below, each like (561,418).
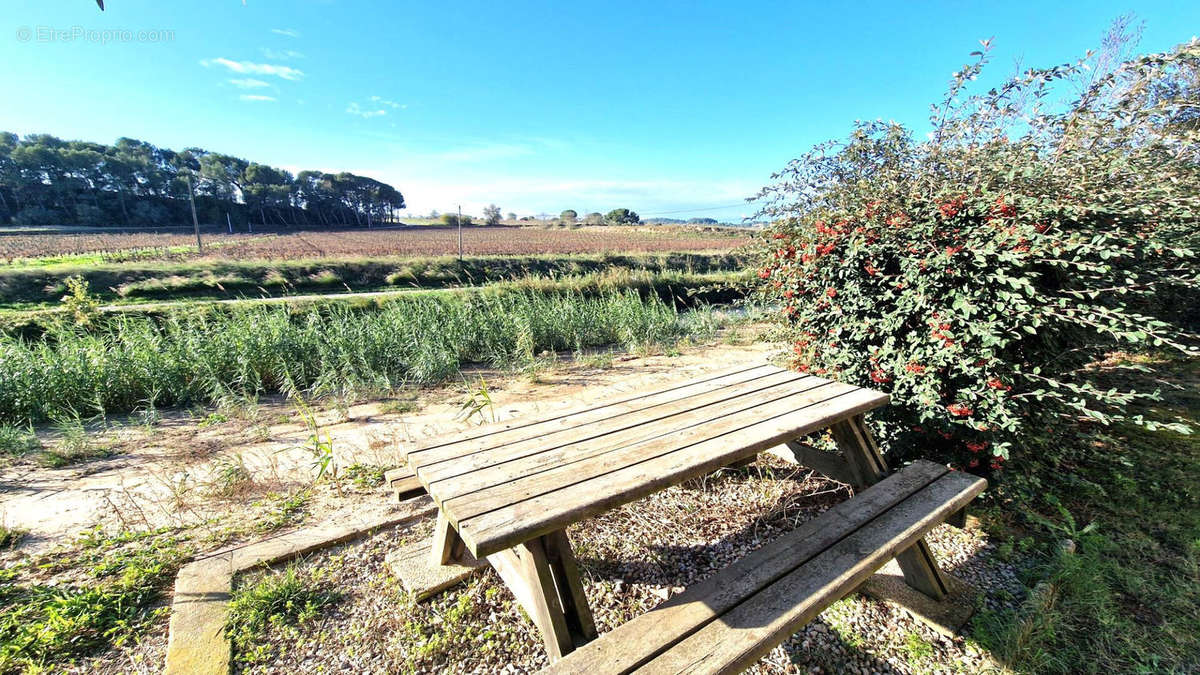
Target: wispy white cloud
(252,68)
(288,32)
(376,106)
(281,54)
(390,104)
(366,113)
(248,83)
(256,97)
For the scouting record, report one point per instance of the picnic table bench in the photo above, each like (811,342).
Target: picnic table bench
(507,493)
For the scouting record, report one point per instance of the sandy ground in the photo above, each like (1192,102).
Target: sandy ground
(195,467)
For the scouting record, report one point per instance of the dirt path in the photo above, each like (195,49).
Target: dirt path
(187,469)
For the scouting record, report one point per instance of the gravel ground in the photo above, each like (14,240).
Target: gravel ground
(632,559)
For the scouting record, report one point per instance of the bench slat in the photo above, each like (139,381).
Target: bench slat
(528,459)
(636,642)
(474,440)
(505,527)
(746,633)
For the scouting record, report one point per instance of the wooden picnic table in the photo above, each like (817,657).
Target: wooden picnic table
(506,494)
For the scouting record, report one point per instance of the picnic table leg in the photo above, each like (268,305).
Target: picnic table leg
(426,568)
(544,577)
(862,454)
(447,545)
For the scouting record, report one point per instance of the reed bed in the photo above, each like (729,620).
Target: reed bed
(132,363)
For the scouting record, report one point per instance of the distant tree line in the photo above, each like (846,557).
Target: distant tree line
(572,217)
(48,181)
(625,217)
(681,221)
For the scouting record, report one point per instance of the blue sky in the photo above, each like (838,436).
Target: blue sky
(678,109)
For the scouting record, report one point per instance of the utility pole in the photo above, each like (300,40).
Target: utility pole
(195,222)
(460,235)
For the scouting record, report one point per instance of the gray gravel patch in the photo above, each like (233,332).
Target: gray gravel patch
(632,559)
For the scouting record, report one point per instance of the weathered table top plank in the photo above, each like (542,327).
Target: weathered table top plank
(501,488)
(585,461)
(500,528)
(529,458)
(498,435)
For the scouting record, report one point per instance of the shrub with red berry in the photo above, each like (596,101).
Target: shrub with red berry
(976,275)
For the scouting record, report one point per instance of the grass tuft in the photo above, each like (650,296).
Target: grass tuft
(10,537)
(18,442)
(273,601)
(115,599)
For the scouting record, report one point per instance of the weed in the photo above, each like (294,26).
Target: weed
(231,477)
(837,617)
(399,406)
(232,404)
(325,278)
(536,369)
(645,348)
(283,509)
(10,537)
(73,444)
(259,432)
(273,601)
(365,476)
(179,487)
(211,419)
(600,360)
(478,401)
(238,353)
(445,624)
(17,442)
(523,350)
(734,337)
(320,444)
(82,306)
(916,649)
(149,415)
(1067,527)
(116,600)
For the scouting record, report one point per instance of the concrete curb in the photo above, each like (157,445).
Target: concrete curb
(197,643)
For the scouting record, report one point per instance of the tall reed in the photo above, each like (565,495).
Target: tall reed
(135,362)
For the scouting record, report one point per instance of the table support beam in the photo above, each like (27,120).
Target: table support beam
(447,545)
(862,454)
(831,464)
(544,577)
